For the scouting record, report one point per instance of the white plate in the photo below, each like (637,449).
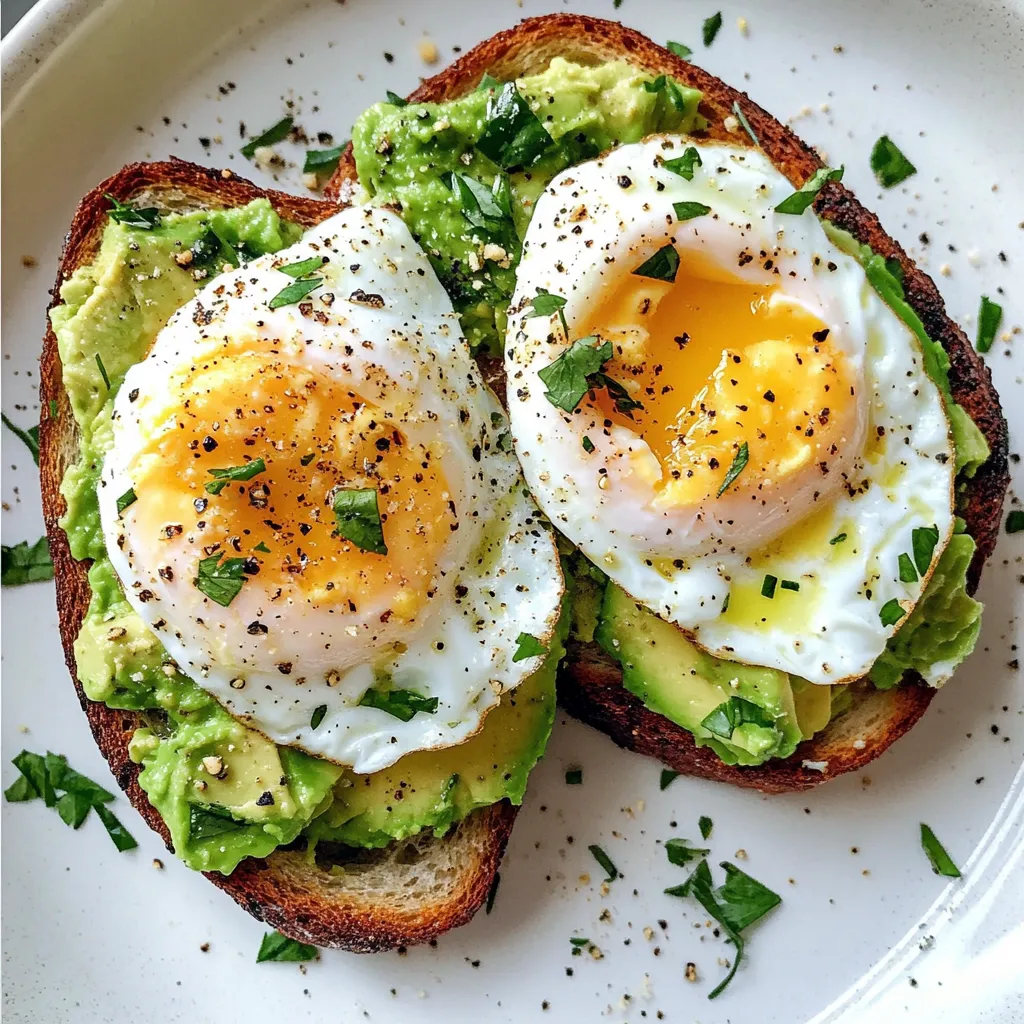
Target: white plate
(91,935)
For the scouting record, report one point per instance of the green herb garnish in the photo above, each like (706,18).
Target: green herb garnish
(574,777)
(276,946)
(790,585)
(273,134)
(838,539)
(43,778)
(514,136)
(667,778)
(578,944)
(303,267)
(588,445)
(262,548)
(687,211)
(317,717)
(26,563)
(295,291)
(127,499)
(529,647)
(734,712)
(735,905)
(768,585)
(891,612)
(145,219)
(605,861)
(220,581)
(400,704)
(737,467)
(225,476)
(207,820)
(668,85)
(942,863)
(481,206)
(103,371)
(1015,521)
(566,377)
(30,436)
(889,164)
(923,540)
(808,192)
(705,824)
(545,304)
(742,118)
(684,165)
(323,160)
(662,266)
(908,574)
(680,852)
(358,519)
(395,100)
(679,49)
(711,27)
(990,316)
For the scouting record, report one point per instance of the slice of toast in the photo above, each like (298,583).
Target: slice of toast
(590,682)
(409,892)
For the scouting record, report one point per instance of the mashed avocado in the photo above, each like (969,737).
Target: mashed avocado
(225,791)
(471,227)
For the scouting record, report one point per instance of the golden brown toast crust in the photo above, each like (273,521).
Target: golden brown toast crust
(286,890)
(590,686)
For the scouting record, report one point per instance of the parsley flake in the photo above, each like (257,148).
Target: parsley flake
(275,133)
(990,316)
(126,500)
(808,191)
(891,612)
(662,266)
(317,716)
(684,165)
(529,647)
(679,49)
(357,516)
(400,704)
(323,160)
(225,476)
(145,219)
(220,581)
(742,118)
(942,863)
(711,27)
(667,778)
(566,377)
(26,563)
(734,712)
(705,824)
(908,574)
(605,861)
(30,436)
(278,947)
(890,166)
(738,465)
(687,211)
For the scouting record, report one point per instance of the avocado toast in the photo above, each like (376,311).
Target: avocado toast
(359,862)
(595,84)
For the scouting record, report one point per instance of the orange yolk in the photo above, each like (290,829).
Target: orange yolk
(314,436)
(716,363)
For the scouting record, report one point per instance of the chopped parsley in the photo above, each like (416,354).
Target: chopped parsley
(942,863)
(574,777)
(990,316)
(838,539)
(317,716)
(26,563)
(126,500)
(667,778)
(275,133)
(357,519)
(588,445)
(295,291)
(514,136)
(891,612)
(145,219)
(220,581)
(400,704)
(30,436)
(734,712)
(736,904)
(679,49)
(207,820)
(680,852)
(922,541)
(705,824)
(225,476)
(566,378)
(890,166)
(768,585)
(262,548)
(276,946)
(1014,521)
(545,304)
(52,780)
(687,211)
(711,27)
(662,266)
(303,267)
(605,861)
(395,100)
(738,465)
(684,165)
(578,945)
(808,192)
(323,160)
(103,371)
(790,585)
(529,647)
(671,88)
(908,574)
(742,118)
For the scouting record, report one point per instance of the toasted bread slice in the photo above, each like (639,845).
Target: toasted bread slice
(408,892)
(590,683)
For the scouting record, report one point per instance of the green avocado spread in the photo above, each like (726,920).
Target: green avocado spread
(411,156)
(224,790)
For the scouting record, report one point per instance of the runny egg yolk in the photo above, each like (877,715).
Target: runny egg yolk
(314,436)
(716,363)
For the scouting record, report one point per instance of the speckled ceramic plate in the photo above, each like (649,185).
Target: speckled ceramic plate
(866,930)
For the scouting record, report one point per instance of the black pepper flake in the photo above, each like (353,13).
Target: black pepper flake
(256,628)
(820,335)
(769,396)
(265,799)
(624,181)
(209,443)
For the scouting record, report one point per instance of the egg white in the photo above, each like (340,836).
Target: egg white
(498,575)
(617,211)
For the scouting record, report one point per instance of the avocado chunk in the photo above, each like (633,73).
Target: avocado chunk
(436,788)
(676,679)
